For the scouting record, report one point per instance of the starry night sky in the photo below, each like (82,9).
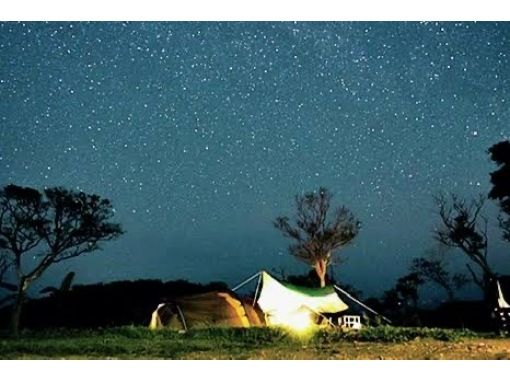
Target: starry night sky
(202,133)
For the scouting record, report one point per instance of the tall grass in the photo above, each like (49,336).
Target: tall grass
(140,342)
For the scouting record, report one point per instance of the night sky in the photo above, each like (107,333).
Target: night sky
(202,133)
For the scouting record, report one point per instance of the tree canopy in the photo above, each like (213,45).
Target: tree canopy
(463,226)
(318,230)
(51,226)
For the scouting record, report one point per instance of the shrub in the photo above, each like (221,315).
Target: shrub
(392,334)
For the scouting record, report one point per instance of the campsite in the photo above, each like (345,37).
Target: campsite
(254,190)
(214,323)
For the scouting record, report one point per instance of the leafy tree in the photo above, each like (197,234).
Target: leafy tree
(318,231)
(464,227)
(433,270)
(22,213)
(500,179)
(49,227)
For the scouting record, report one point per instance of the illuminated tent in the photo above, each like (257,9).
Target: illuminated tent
(501,299)
(295,306)
(205,310)
(502,310)
(298,307)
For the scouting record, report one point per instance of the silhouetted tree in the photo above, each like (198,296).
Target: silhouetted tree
(465,228)
(65,285)
(61,223)
(401,301)
(391,301)
(22,213)
(500,179)
(318,232)
(4,267)
(433,270)
(407,288)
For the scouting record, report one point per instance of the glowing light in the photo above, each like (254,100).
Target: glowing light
(298,320)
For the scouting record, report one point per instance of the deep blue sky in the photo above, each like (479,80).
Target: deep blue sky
(201,134)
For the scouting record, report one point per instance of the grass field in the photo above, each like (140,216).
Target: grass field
(255,343)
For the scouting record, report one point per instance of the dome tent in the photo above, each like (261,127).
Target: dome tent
(205,310)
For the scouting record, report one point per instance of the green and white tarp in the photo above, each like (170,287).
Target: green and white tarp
(287,304)
(277,298)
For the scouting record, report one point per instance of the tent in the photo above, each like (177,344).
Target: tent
(276,303)
(502,310)
(205,310)
(502,304)
(298,307)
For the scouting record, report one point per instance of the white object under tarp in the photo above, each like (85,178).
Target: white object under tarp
(276,299)
(501,300)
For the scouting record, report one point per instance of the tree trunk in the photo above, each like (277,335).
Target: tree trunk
(451,294)
(320,269)
(484,281)
(415,302)
(489,289)
(17,307)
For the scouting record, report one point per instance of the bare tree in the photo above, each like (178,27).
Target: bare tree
(318,231)
(463,226)
(51,227)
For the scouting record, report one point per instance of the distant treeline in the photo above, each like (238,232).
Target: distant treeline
(101,305)
(123,303)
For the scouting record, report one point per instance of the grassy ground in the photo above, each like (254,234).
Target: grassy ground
(254,343)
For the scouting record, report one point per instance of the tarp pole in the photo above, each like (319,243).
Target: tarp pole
(320,315)
(245,281)
(257,290)
(182,318)
(361,303)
